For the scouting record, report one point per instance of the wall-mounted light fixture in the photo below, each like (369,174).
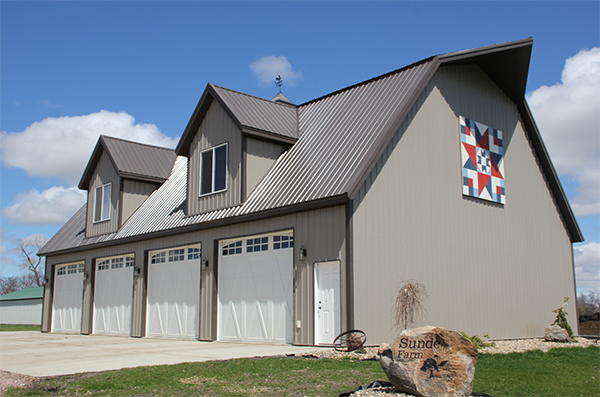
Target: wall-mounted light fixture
(86,276)
(301,253)
(204,263)
(137,271)
(45,281)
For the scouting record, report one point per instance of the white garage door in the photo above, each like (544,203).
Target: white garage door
(68,295)
(113,293)
(255,289)
(174,293)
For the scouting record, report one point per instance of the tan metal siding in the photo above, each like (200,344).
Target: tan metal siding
(321,231)
(105,173)
(488,269)
(216,129)
(134,194)
(47,305)
(260,157)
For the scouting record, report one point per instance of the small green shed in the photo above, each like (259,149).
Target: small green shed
(22,307)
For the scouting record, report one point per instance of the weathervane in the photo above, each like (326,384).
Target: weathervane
(279,82)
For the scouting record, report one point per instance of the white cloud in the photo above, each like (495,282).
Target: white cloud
(266,69)
(587,265)
(568,115)
(61,147)
(53,206)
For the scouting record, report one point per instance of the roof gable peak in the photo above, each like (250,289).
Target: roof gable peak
(141,167)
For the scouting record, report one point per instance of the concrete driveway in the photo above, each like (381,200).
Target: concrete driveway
(38,354)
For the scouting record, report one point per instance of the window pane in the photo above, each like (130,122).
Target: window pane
(98,204)
(206,177)
(106,202)
(220,168)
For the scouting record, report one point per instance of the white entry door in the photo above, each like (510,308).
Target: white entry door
(113,293)
(256,289)
(327,302)
(68,296)
(173,305)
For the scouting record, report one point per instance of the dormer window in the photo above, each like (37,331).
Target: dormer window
(102,203)
(213,172)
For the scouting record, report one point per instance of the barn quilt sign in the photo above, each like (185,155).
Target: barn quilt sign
(482,155)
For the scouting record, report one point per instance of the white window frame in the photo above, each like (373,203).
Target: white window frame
(103,216)
(214,168)
(115,262)
(176,254)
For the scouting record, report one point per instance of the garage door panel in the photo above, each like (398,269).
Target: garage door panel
(113,296)
(174,293)
(230,314)
(68,296)
(155,321)
(258,284)
(257,320)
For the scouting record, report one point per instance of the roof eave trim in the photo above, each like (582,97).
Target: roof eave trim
(183,146)
(21,299)
(379,147)
(92,163)
(210,94)
(268,135)
(560,198)
(326,202)
(460,55)
(143,178)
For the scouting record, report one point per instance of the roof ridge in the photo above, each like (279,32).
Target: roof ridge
(136,143)
(402,69)
(253,96)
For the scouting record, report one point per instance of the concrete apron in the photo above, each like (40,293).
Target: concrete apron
(38,354)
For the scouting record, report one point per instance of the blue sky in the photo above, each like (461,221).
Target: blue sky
(72,70)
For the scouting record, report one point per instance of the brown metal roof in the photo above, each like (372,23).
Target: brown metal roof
(260,114)
(71,235)
(131,160)
(255,116)
(341,136)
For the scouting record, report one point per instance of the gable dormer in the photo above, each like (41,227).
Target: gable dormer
(119,177)
(232,141)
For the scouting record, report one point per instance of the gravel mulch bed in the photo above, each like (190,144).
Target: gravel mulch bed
(10,379)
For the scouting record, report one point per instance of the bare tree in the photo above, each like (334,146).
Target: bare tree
(16,283)
(28,248)
(410,304)
(588,305)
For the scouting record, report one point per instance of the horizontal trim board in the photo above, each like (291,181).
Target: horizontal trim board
(301,207)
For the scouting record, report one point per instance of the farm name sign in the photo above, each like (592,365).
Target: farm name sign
(430,361)
(413,348)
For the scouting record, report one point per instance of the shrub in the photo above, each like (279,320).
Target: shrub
(476,340)
(561,318)
(409,303)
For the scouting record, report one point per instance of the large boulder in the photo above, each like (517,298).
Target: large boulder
(555,333)
(430,362)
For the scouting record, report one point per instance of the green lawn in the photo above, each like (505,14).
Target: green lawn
(561,372)
(10,327)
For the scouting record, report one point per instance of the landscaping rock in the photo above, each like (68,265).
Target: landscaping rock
(555,333)
(431,362)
